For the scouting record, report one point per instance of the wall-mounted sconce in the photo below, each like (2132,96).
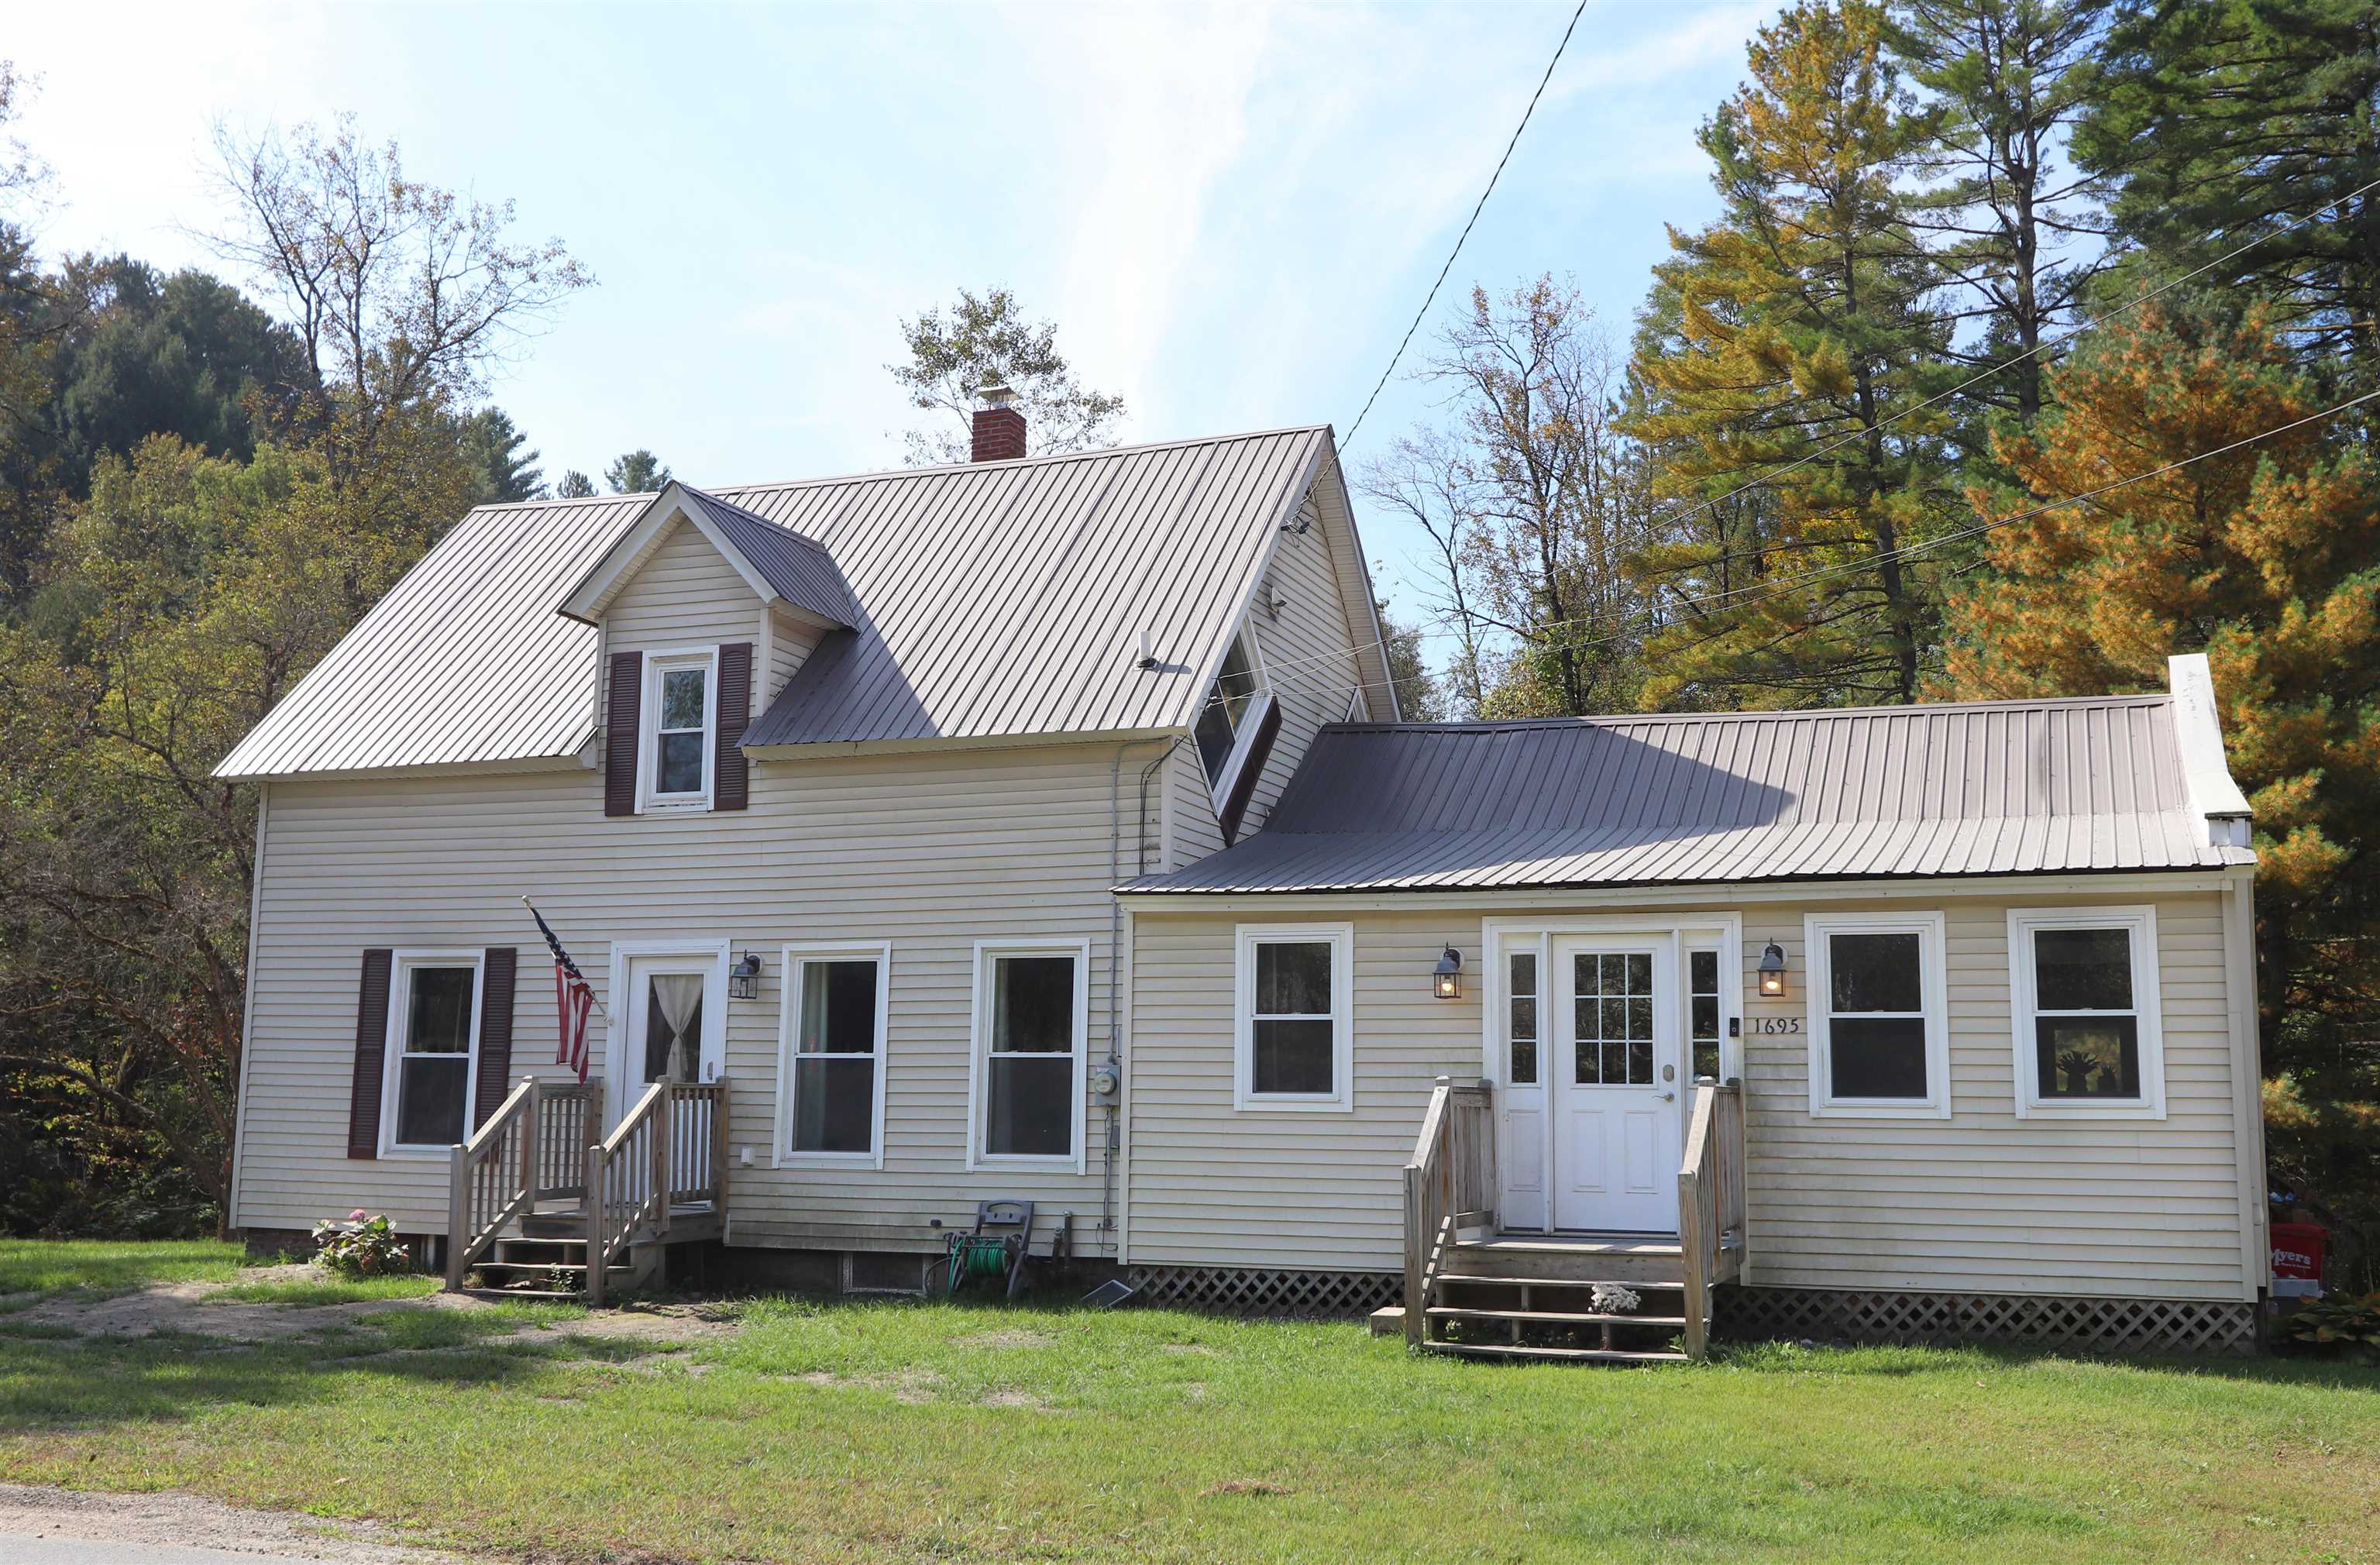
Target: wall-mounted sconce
(1446,979)
(1772,972)
(744,978)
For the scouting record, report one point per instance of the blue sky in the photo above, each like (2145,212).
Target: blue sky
(1232,213)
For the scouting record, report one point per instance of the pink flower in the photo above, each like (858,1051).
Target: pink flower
(357,1216)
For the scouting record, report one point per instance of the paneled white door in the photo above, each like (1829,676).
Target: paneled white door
(1613,1077)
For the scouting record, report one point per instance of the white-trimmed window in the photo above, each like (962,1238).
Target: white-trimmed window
(2082,996)
(433,1032)
(1233,714)
(831,1071)
(1522,1040)
(1879,1022)
(1705,1014)
(1032,1011)
(680,716)
(1295,1040)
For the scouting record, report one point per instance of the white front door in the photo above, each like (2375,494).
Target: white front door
(669,1024)
(1613,1077)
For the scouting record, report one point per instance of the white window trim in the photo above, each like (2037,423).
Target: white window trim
(1260,703)
(980,1050)
(400,996)
(620,1095)
(1340,1099)
(1933,993)
(2140,922)
(648,798)
(793,959)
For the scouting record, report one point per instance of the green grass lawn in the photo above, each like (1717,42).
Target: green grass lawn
(30,1268)
(959,1433)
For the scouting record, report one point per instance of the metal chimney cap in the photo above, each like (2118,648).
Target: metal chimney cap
(996,394)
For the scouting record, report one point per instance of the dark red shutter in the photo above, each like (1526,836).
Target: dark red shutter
(372,1056)
(731,773)
(621,721)
(496,1031)
(1244,786)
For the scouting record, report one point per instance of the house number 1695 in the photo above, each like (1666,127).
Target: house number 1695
(1761,1025)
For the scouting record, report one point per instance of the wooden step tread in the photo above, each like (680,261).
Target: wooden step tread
(1638,1284)
(1526,1245)
(1603,1355)
(573,1296)
(1552,1317)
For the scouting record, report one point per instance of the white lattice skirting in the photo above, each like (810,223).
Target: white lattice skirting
(1247,1290)
(2118,1326)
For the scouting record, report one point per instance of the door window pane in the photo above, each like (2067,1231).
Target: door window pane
(1702,1003)
(834,1077)
(1522,990)
(1613,1018)
(433,1073)
(673,1028)
(1030,1075)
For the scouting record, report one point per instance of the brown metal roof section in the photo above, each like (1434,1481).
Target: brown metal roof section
(800,569)
(1987,788)
(987,601)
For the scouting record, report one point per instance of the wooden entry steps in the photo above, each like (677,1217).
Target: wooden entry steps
(544,1255)
(1532,1296)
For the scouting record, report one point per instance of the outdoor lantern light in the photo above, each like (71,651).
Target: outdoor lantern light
(1446,981)
(744,978)
(1772,972)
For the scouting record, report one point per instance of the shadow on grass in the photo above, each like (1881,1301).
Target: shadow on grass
(94,1381)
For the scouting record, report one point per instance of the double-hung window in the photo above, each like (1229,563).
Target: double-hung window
(1295,1042)
(2083,994)
(1032,1009)
(832,1069)
(1880,1025)
(433,1027)
(681,696)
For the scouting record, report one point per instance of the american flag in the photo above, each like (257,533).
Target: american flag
(573,1000)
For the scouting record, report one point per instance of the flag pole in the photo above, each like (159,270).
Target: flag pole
(590,988)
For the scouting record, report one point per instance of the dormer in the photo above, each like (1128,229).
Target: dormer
(706,610)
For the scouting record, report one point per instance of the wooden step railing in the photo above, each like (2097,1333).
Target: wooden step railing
(669,1150)
(1450,1185)
(1710,1203)
(529,1151)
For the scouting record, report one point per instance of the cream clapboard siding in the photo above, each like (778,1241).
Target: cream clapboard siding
(930,851)
(1981,1201)
(1308,658)
(789,647)
(684,594)
(1190,804)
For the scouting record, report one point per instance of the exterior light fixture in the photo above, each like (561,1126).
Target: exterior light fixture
(744,978)
(1446,979)
(1772,972)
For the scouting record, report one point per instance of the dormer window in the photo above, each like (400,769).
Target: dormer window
(681,700)
(1225,716)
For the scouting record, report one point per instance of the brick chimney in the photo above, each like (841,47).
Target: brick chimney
(999,427)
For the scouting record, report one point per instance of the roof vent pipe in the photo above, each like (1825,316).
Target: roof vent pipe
(999,427)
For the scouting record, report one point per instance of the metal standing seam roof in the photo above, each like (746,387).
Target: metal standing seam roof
(800,569)
(989,600)
(1984,788)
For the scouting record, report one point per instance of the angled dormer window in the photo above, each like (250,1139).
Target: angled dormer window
(1224,715)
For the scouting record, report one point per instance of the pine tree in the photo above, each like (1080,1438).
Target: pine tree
(1802,333)
(2006,80)
(2267,559)
(2230,120)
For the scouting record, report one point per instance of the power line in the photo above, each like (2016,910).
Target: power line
(1778,586)
(1395,358)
